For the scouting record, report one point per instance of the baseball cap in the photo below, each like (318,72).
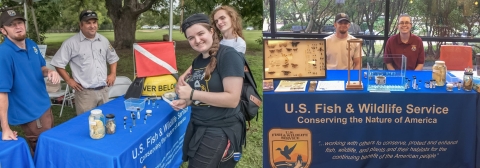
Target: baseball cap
(194,19)
(8,16)
(87,15)
(342,16)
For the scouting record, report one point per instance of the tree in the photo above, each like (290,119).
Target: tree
(46,9)
(158,15)
(250,10)
(70,10)
(124,15)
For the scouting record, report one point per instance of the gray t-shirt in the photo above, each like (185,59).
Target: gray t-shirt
(229,63)
(87,59)
(236,43)
(337,53)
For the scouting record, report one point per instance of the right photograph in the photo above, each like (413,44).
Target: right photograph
(371,83)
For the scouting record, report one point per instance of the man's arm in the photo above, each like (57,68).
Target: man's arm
(356,63)
(356,57)
(7,133)
(51,74)
(113,74)
(72,83)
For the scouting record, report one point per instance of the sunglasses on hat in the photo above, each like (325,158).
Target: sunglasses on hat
(88,14)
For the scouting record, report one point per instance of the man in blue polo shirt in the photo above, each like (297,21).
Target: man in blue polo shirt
(24,99)
(407,44)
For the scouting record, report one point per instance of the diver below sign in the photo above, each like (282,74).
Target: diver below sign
(290,147)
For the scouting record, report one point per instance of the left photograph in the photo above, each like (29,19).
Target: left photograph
(155,83)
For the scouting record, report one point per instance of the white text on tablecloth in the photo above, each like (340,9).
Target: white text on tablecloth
(375,113)
(156,141)
(361,150)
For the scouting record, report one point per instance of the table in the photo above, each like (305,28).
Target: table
(155,144)
(415,128)
(15,154)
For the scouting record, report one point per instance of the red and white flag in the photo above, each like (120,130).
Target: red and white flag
(154,58)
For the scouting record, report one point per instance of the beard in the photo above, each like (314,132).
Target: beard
(342,31)
(20,37)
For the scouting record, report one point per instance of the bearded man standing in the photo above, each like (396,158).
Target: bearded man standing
(24,99)
(337,53)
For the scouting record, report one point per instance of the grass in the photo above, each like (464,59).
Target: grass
(252,156)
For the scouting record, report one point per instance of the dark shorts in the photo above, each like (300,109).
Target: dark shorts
(211,152)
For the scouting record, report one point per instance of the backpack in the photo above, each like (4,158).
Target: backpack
(250,100)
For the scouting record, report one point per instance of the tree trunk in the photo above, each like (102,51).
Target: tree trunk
(183,9)
(124,15)
(124,30)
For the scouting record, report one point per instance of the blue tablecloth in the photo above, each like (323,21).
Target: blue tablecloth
(356,129)
(157,143)
(15,154)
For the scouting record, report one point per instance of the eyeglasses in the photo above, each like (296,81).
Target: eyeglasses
(404,23)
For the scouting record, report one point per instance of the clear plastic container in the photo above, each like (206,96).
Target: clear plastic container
(439,73)
(132,104)
(96,124)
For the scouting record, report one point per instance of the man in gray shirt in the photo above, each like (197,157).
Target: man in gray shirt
(87,52)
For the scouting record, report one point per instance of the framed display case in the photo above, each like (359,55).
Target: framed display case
(294,58)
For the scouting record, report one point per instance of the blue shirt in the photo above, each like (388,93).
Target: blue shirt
(23,81)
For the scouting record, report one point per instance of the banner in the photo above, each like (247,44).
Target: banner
(369,130)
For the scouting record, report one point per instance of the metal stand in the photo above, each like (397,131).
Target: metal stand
(354,85)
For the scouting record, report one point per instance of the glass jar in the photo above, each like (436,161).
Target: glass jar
(439,73)
(97,124)
(468,81)
(449,87)
(111,126)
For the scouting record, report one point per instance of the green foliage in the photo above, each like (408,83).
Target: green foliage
(45,12)
(70,11)
(259,41)
(250,10)
(45,16)
(159,15)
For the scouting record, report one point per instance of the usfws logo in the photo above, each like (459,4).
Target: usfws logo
(290,148)
(35,49)
(11,13)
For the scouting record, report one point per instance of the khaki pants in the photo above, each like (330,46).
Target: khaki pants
(34,128)
(88,99)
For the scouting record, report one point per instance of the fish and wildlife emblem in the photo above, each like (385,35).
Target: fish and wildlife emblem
(11,13)
(35,49)
(290,148)
(414,47)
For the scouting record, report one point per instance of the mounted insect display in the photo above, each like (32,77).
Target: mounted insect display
(294,58)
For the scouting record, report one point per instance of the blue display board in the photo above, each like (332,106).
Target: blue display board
(415,128)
